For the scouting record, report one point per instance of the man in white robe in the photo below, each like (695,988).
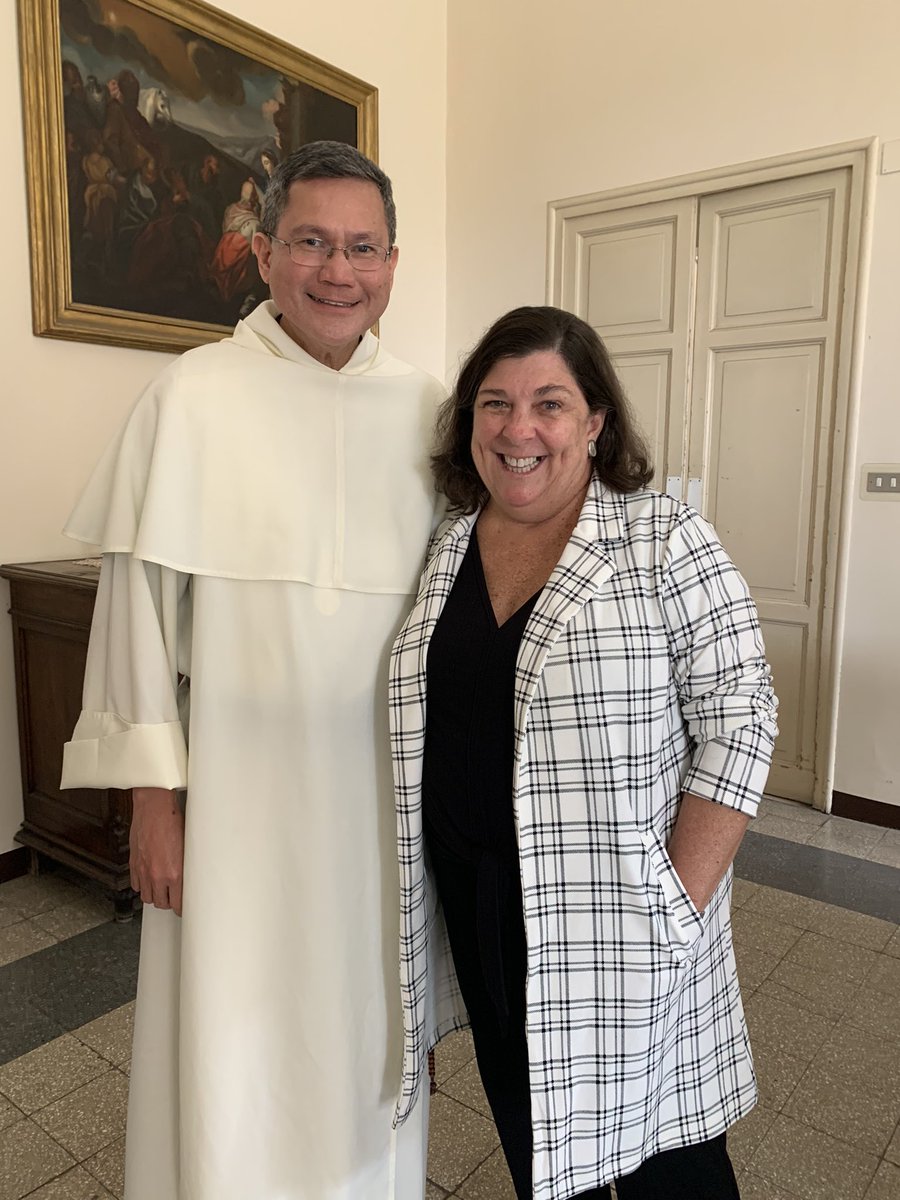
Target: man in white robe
(263,517)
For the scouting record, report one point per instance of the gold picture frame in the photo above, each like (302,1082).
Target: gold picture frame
(123,206)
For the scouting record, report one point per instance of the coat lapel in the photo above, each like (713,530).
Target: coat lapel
(441,570)
(438,577)
(585,566)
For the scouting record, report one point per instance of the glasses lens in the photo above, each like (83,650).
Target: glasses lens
(365,256)
(308,253)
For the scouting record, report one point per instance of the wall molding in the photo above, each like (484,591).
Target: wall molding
(858,808)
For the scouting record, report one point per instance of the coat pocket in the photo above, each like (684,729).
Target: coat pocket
(682,922)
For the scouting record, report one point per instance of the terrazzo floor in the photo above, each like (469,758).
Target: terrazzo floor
(817,937)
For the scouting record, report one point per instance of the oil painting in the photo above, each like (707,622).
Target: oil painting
(148,161)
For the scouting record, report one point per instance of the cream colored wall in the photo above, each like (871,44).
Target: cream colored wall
(868,740)
(60,401)
(549,101)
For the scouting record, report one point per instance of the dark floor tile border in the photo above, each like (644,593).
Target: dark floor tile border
(58,989)
(859,808)
(853,883)
(53,991)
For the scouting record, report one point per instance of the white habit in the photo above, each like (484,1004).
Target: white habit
(263,521)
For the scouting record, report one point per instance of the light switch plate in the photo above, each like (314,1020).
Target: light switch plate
(880,481)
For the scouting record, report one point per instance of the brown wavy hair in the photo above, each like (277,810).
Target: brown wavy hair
(622,462)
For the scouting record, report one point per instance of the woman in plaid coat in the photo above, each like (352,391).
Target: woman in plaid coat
(582,721)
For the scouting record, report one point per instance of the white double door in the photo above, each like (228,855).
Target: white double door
(722,313)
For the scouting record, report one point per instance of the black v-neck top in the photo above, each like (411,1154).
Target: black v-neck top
(468,764)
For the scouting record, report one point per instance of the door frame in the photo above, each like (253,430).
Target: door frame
(861,158)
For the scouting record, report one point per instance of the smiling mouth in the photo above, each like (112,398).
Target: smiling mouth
(520,466)
(333,303)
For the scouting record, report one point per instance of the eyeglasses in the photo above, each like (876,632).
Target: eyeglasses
(314,252)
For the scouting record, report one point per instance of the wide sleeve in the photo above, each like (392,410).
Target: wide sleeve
(719,664)
(130,733)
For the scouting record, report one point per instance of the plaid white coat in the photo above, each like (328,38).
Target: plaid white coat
(641,674)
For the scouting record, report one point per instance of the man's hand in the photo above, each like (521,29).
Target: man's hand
(157,847)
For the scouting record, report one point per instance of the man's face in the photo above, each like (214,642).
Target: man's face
(327,308)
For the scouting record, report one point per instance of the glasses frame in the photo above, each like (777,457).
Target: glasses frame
(345,250)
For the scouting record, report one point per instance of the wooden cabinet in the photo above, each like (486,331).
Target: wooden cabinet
(51,607)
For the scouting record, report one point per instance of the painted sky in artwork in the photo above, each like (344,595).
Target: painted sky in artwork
(209,87)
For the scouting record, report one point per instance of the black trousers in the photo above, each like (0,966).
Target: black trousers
(699,1172)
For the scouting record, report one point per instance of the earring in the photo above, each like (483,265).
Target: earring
(592,449)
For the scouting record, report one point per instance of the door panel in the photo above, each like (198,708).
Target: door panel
(786,649)
(761,413)
(772,262)
(758,493)
(640,259)
(647,379)
(629,273)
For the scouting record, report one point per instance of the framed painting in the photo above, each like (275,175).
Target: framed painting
(151,130)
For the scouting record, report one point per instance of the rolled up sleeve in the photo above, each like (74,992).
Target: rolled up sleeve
(106,751)
(724,682)
(130,732)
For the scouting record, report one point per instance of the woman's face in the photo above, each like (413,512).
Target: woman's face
(530,437)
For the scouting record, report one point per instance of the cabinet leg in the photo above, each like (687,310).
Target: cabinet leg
(124,904)
(34,862)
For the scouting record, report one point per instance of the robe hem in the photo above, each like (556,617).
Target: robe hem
(217,573)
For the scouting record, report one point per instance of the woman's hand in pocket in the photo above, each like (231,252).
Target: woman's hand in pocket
(703,845)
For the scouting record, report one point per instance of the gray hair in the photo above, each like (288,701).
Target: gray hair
(325,160)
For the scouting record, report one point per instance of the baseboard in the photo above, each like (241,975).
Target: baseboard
(13,863)
(858,808)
